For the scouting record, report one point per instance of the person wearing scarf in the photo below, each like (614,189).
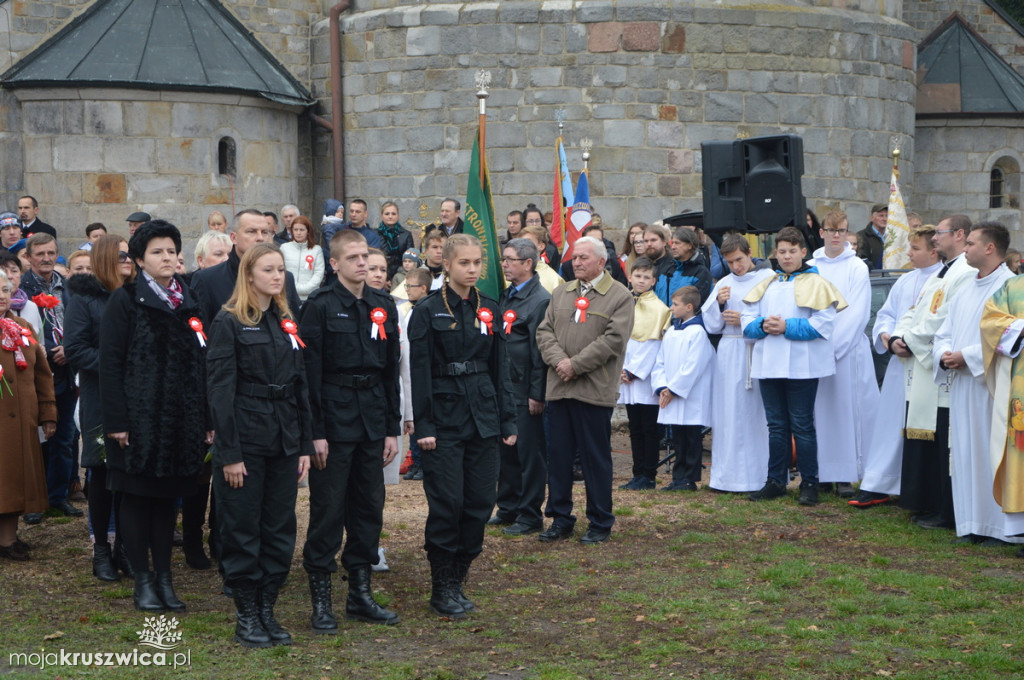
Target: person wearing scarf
(395,238)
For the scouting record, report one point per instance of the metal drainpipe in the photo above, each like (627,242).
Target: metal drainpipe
(338,133)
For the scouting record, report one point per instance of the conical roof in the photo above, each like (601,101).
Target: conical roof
(959,73)
(186,45)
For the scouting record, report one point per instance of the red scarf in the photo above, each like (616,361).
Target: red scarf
(13,341)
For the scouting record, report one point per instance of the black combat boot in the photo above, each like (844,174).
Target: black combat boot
(249,630)
(323,620)
(267,600)
(360,604)
(442,592)
(461,571)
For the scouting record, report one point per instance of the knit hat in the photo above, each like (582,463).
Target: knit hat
(8,219)
(414,255)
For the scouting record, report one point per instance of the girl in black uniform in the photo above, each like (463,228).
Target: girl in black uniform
(460,408)
(260,408)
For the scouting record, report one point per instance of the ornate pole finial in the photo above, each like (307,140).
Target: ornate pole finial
(483,80)
(560,115)
(896,156)
(586,144)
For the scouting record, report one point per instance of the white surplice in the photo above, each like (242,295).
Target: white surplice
(847,401)
(970,405)
(739,439)
(640,358)
(686,366)
(883,459)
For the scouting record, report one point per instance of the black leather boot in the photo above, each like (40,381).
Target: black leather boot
(120,554)
(322,619)
(442,593)
(267,599)
(249,630)
(461,570)
(165,590)
(146,598)
(360,605)
(103,564)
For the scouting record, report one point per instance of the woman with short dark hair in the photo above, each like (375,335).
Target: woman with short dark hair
(153,389)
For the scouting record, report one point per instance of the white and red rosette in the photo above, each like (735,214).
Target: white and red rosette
(309,261)
(486,316)
(510,318)
(378,316)
(292,329)
(581,309)
(195,324)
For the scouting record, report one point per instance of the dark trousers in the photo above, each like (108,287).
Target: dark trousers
(103,504)
(147,525)
(523,471)
(257,521)
(577,426)
(459,478)
(689,445)
(925,484)
(644,439)
(346,501)
(789,410)
(59,450)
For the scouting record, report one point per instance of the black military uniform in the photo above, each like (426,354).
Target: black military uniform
(460,397)
(354,399)
(523,474)
(260,408)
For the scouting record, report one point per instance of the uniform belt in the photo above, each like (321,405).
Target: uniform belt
(250,389)
(359,382)
(459,368)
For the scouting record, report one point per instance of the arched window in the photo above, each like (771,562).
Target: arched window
(226,157)
(997,187)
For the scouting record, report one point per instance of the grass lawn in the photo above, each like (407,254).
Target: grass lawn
(698,585)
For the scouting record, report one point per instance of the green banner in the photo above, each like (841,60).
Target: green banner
(479,218)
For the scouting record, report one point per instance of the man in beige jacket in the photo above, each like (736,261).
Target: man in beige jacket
(583,339)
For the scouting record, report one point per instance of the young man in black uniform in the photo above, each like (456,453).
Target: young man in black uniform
(352,364)
(461,405)
(522,474)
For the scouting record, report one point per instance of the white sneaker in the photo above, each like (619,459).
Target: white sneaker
(382,565)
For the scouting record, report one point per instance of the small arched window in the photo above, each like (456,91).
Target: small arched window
(226,157)
(997,187)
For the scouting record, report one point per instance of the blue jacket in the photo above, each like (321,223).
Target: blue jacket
(689,273)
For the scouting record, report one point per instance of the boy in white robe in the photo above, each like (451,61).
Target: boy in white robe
(884,455)
(848,399)
(739,446)
(791,316)
(650,318)
(682,380)
(959,361)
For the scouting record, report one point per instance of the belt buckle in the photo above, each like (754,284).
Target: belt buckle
(460,368)
(361,381)
(277,391)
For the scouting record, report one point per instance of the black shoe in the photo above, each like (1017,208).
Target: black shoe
(808,494)
(771,489)
(933,522)
(322,619)
(630,485)
(69,510)
(14,552)
(556,532)
(165,591)
(145,596)
(103,566)
(969,539)
(415,472)
(520,529)
(249,630)
(195,555)
(443,600)
(360,605)
(645,484)
(577,473)
(826,487)
(845,490)
(867,499)
(32,517)
(498,520)
(460,572)
(22,544)
(267,598)
(993,542)
(684,485)
(595,536)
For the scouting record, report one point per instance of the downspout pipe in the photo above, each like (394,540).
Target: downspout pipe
(338,131)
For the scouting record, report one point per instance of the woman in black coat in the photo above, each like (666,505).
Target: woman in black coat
(153,389)
(395,239)
(87,298)
(260,405)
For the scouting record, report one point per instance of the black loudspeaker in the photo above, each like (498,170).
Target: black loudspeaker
(753,185)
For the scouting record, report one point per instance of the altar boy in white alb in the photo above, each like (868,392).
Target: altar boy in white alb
(959,360)
(883,458)
(739,448)
(847,400)
(682,380)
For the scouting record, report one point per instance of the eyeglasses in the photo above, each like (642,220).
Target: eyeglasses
(835,231)
(514,259)
(944,231)
(415,285)
(123,256)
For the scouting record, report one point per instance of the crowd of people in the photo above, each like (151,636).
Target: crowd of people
(303,351)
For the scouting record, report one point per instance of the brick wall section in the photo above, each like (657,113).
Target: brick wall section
(646,81)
